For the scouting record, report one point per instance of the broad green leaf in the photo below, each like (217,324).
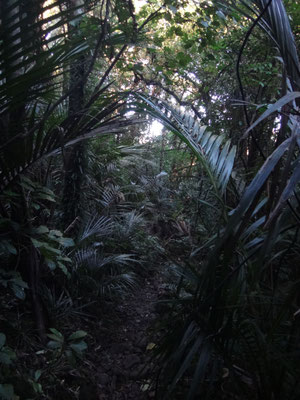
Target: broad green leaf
(63,268)
(56,333)
(37,243)
(53,344)
(77,335)
(79,347)
(42,229)
(55,232)
(51,264)
(54,337)
(66,242)
(10,248)
(45,249)
(37,387)
(37,374)
(19,281)
(7,355)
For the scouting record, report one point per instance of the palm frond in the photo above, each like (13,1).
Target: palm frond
(27,69)
(214,152)
(44,144)
(104,275)
(118,284)
(96,227)
(129,223)
(113,200)
(95,260)
(277,21)
(32,75)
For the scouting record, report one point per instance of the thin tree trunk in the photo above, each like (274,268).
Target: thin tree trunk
(29,260)
(75,157)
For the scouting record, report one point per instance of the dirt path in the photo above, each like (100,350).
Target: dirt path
(124,352)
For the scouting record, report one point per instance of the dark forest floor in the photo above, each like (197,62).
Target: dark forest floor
(123,348)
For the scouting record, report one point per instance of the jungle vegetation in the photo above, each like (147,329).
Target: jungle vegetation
(146,136)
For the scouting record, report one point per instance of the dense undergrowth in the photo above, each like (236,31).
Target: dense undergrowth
(92,204)
(125,237)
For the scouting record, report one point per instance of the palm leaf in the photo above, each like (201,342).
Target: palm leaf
(277,21)
(96,261)
(32,76)
(26,67)
(44,145)
(117,284)
(96,227)
(214,152)
(289,97)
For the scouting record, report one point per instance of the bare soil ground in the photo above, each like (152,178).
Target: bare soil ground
(123,350)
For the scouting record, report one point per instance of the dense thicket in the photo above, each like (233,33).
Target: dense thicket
(141,138)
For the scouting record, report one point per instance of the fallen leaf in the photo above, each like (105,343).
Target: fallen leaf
(150,346)
(145,387)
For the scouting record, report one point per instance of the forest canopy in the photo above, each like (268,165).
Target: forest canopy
(149,146)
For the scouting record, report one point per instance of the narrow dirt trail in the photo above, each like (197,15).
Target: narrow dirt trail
(123,354)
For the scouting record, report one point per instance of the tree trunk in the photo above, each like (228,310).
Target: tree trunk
(75,157)
(12,124)
(29,260)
